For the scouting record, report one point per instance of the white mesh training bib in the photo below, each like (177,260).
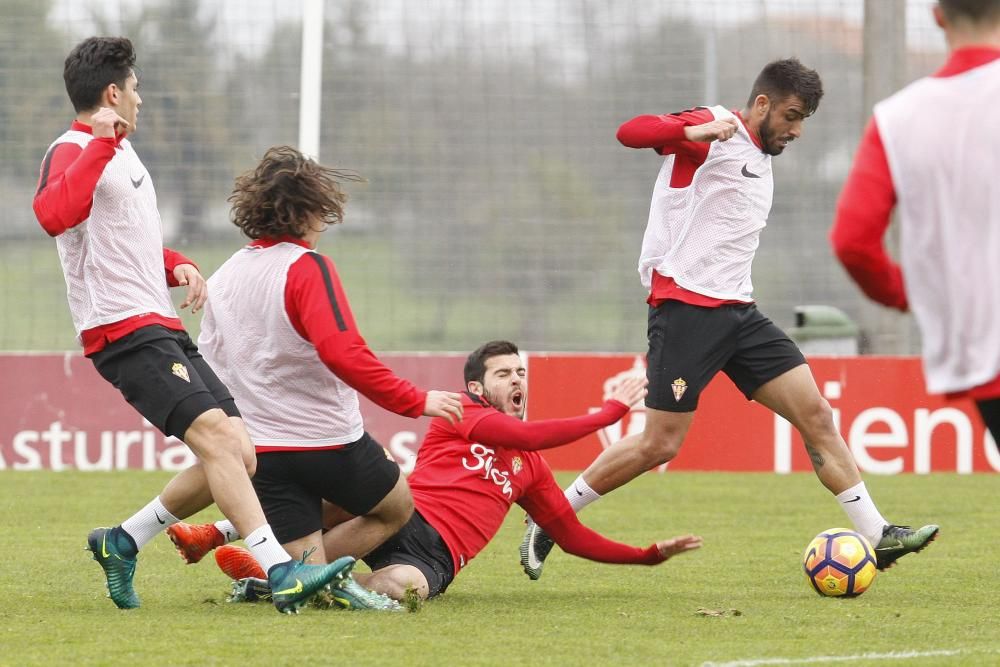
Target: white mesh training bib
(286,394)
(113,260)
(704,236)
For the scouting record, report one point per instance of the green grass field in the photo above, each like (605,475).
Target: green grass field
(937,607)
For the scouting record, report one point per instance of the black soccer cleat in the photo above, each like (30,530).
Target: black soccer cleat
(535,547)
(897,541)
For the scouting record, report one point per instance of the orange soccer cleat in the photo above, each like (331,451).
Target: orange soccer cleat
(238,563)
(194,541)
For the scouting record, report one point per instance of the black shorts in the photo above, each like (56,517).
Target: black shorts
(292,485)
(689,344)
(161,374)
(419,545)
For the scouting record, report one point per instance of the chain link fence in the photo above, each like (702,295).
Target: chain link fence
(497,202)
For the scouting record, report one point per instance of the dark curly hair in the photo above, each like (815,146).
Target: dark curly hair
(781,79)
(93,65)
(286,194)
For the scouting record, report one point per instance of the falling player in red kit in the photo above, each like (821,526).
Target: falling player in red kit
(942,185)
(469,473)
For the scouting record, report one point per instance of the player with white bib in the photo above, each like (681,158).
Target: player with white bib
(280,331)
(711,201)
(942,183)
(97,200)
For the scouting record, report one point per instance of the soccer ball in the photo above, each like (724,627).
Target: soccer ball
(839,563)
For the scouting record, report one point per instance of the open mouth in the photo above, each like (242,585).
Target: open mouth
(517,399)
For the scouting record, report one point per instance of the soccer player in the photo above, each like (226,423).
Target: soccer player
(928,152)
(97,199)
(710,203)
(280,331)
(469,473)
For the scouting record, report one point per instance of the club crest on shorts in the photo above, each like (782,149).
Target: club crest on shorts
(679,386)
(516,464)
(181,371)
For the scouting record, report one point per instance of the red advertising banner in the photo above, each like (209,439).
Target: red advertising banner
(57,413)
(882,408)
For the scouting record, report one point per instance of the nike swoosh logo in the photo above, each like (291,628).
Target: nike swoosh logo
(748,173)
(162,522)
(297,588)
(578,491)
(262,540)
(853,500)
(889,547)
(533,561)
(104,547)
(136,184)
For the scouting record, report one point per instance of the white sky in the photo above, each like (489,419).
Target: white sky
(396,22)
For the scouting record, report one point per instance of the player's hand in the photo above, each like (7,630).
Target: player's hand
(106,121)
(716,130)
(678,545)
(445,404)
(631,390)
(197,292)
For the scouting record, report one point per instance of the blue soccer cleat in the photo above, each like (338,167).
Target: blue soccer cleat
(117,556)
(294,583)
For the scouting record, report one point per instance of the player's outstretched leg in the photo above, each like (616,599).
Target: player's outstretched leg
(349,594)
(115,551)
(535,547)
(897,541)
(194,541)
(294,583)
(238,563)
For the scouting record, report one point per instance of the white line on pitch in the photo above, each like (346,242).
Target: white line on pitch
(892,655)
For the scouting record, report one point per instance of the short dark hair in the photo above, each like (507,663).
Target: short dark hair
(93,65)
(782,79)
(974,11)
(284,192)
(475,365)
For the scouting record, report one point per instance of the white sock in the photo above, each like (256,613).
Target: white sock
(579,494)
(265,548)
(861,510)
(228,530)
(145,524)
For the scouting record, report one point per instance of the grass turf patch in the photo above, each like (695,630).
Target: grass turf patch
(939,604)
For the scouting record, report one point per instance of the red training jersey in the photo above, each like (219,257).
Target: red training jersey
(468,475)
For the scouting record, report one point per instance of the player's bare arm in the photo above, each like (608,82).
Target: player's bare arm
(106,122)
(716,130)
(197,292)
(445,404)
